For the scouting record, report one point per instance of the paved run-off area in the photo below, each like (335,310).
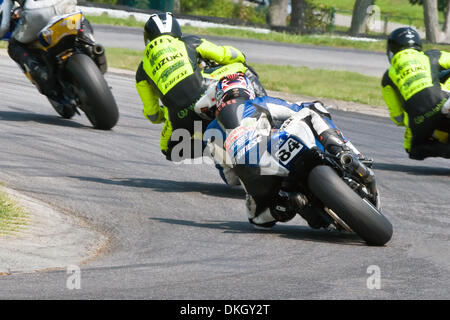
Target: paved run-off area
(49,239)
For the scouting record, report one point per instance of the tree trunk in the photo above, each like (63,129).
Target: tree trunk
(277,12)
(430,12)
(359,17)
(176,6)
(446,27)
(298,15)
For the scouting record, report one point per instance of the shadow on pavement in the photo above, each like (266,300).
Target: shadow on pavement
(414,170)
(292,232)
(39,118)
(160,185)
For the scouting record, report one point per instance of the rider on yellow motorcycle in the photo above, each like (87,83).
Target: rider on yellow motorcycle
(35,15)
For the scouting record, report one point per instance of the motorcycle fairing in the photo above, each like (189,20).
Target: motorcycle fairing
(59,28)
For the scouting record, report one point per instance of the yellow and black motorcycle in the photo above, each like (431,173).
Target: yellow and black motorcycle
(78,64)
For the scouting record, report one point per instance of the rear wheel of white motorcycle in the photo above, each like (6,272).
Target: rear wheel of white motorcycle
(92,90)
(359,214)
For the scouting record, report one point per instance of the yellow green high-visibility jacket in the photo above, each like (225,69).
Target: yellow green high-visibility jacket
(170,72)
(411,87)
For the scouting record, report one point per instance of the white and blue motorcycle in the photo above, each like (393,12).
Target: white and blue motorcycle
(267,141)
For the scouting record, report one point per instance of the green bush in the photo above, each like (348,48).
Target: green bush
(223,9)
(250,14)
(188,6)
(216,8)
(318,17)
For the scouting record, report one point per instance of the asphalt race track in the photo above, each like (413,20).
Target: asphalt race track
(177,232)
(257,51)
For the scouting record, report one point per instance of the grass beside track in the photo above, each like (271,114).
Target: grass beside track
(341,85)
(12,217)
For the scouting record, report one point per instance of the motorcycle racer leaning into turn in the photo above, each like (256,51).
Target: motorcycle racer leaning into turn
(170,73)
(35,15)
(414,95)
(235,95)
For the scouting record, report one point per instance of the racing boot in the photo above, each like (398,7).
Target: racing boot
(432,149)
(333,142)
(254,80)
(261,219)
(348,155)
(285,207)
(228,175)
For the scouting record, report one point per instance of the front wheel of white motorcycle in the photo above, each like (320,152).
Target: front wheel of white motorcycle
(359,214)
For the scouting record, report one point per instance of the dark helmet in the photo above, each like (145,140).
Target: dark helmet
(159,24)
(403,38)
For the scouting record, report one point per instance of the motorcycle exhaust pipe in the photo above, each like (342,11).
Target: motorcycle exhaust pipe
(98,54)
(98,50)
(349,161)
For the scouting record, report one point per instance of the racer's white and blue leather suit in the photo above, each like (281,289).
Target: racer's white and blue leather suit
(293,118)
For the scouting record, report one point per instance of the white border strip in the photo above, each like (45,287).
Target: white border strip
(143,17)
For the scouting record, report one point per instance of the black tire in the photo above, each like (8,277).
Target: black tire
(359,214)
(90,86)
(64,111)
